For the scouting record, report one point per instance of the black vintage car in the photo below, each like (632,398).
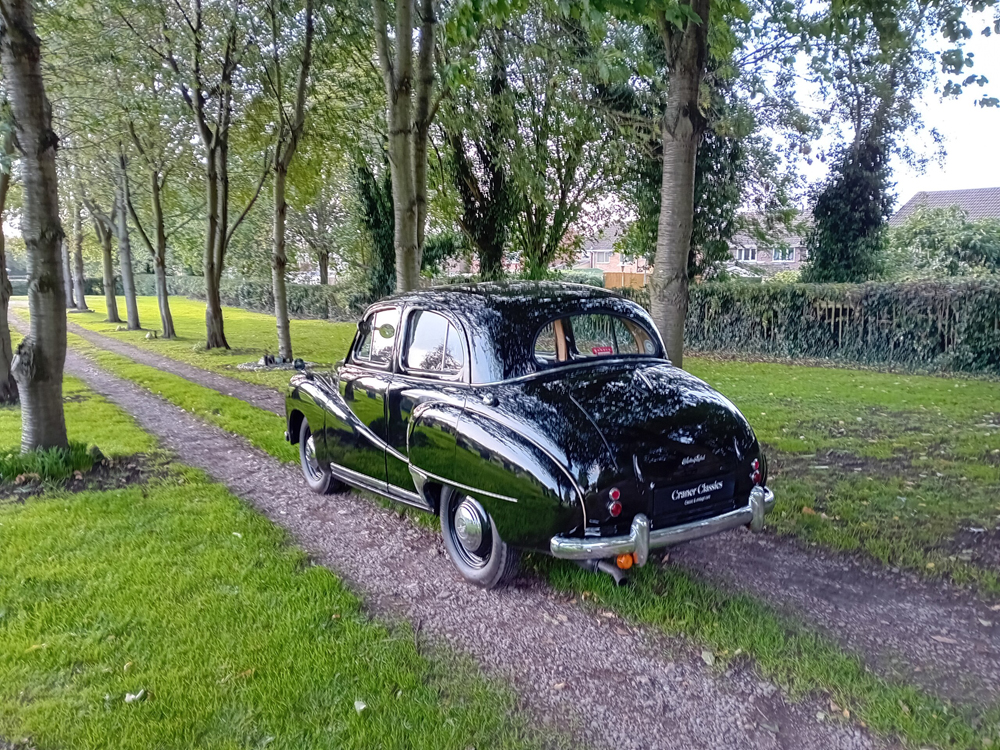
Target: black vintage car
(537,416)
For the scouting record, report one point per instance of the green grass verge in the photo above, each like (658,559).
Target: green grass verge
(90,421)
(897,467)
(250,334)
(901,468)
(794,657)
(262,428)
(179,590)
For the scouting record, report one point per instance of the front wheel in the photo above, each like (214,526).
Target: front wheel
(317,474)
(473,543)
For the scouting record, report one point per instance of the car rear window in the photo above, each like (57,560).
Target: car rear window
(592,335)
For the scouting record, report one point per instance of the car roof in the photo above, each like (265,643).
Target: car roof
(502,318)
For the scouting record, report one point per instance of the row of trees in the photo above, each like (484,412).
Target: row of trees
(401,132)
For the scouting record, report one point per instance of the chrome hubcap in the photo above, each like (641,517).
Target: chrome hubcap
(469,526)
(310,451)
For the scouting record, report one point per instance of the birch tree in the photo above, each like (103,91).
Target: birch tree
(41,355)
(410,109)
(290,122)
(8,386)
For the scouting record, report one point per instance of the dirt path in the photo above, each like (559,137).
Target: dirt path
(257,395)
(588,673)
(928,633)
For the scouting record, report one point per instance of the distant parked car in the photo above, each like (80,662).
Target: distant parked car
(536,416)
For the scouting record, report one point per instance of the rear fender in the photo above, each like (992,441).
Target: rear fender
(529,495)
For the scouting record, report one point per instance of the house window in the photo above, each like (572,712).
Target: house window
(784,254)
(746,253)
(601,257)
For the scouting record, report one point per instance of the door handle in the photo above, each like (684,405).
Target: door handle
(489,399)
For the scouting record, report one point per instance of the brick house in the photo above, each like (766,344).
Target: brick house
(785,254)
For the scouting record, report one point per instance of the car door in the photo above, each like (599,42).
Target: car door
(356,440)
(431,370)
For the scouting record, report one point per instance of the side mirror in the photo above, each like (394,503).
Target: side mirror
(299,364)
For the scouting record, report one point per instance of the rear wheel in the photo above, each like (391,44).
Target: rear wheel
(473,543)
(317,475)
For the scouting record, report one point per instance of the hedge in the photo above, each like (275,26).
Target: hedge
(332,302)
(920,325)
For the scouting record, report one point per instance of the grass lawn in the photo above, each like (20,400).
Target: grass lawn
(176,592)
(903,468)
(671,600)
(250,334)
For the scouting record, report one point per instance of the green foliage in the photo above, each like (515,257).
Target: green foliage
(942,242)
(52,464)
(847,242)
(924,326)
(589,276)
(379,221)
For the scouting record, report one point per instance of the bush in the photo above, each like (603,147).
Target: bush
(590,276)
(304,300)
(932,325)
(48,465)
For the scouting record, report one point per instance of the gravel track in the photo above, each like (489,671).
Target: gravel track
(926,632)
(256,395)
(585,672)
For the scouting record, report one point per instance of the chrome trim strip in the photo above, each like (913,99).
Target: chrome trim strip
(365,482)
(640,539)
(425,475)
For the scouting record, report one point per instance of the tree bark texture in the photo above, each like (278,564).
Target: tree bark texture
(8,386)
(38,364)
(79,282)
(103,232)
(409,115)
(289,133)
(323,258)
(157,245)
(279,263)
(125,251)
(682,128)
(67,273)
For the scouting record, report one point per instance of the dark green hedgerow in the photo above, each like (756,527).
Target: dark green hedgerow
(922,325)
(332,302)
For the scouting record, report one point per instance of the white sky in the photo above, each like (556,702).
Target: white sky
(971,134)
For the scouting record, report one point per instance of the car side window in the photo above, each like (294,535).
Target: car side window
(383,335)
(363,350)
(434,344)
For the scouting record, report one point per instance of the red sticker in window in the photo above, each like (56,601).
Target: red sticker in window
(602,350)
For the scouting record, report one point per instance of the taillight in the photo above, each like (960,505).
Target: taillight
(614,502)
(756,475)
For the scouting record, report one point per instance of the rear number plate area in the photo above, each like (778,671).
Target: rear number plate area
(695,498)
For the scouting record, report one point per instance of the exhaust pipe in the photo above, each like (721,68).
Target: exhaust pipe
(604,566)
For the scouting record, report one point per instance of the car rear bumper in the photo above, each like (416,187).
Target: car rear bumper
(641,539)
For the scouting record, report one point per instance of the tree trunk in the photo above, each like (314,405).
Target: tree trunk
(38,364)
(166,319)
(110,301)
(215,335)
(160,259)
(683,125)
(279,262)
(397,75)
(67,258)
(8,386)
(79,283)
(125,252)
(324,267)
